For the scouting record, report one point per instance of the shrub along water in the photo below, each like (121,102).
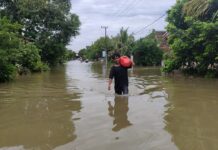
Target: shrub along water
(16,56)
(34,35)
(193,37)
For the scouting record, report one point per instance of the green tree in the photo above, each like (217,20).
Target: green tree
(49,24)
(9,44)
(124,42)
(146,52)
(70,55)
(82,53)
(94,51)
(202,9)
(15,54)
(193,39)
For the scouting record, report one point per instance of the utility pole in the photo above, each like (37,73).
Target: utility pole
(105,36)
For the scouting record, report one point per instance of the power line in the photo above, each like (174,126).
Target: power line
(136,4)
(123,6)
(120,6)
(127,7)
(149,24)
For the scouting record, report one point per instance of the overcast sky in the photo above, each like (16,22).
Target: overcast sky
(131,14)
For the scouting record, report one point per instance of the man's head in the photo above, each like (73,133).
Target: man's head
(115,56)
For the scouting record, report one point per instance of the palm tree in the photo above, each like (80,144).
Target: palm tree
(124,41)
(202,9)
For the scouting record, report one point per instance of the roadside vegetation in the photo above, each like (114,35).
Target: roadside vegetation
(193,39)
(34,35)
(145,50)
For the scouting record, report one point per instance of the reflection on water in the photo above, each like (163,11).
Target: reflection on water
(71,108)
(119,112)
(192,114)
(36,112)
(111,122)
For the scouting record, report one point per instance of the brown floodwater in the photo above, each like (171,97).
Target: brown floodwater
(70,108)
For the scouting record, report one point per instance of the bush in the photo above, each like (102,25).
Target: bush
(7,72)
(147,53)
(16,56)
(28,56)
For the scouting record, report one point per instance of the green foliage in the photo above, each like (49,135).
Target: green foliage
(48,24)
(147,53)
(94,51)
(122,42)
(202,9)
(15,54)
(7,72)
(37,30)
(193,39)
(28,57)
(176,16)
(170,63)
(9,43)
(82,53)
(69,55)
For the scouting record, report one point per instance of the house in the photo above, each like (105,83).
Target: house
(161,37)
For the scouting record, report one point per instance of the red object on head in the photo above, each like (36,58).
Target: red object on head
(125,61)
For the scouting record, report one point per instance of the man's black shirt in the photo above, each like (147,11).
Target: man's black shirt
(120,75)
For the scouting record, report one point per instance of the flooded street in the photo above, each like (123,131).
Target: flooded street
(70,108)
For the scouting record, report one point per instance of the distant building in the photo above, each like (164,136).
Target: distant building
(161,37)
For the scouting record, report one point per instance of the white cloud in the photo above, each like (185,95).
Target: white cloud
(134,14)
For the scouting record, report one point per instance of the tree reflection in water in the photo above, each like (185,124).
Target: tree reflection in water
(37,112)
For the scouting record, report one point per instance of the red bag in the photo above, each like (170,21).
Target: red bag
(125,62)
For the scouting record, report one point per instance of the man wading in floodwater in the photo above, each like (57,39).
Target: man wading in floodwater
(120,75)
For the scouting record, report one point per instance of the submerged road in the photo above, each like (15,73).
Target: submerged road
(70,108)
